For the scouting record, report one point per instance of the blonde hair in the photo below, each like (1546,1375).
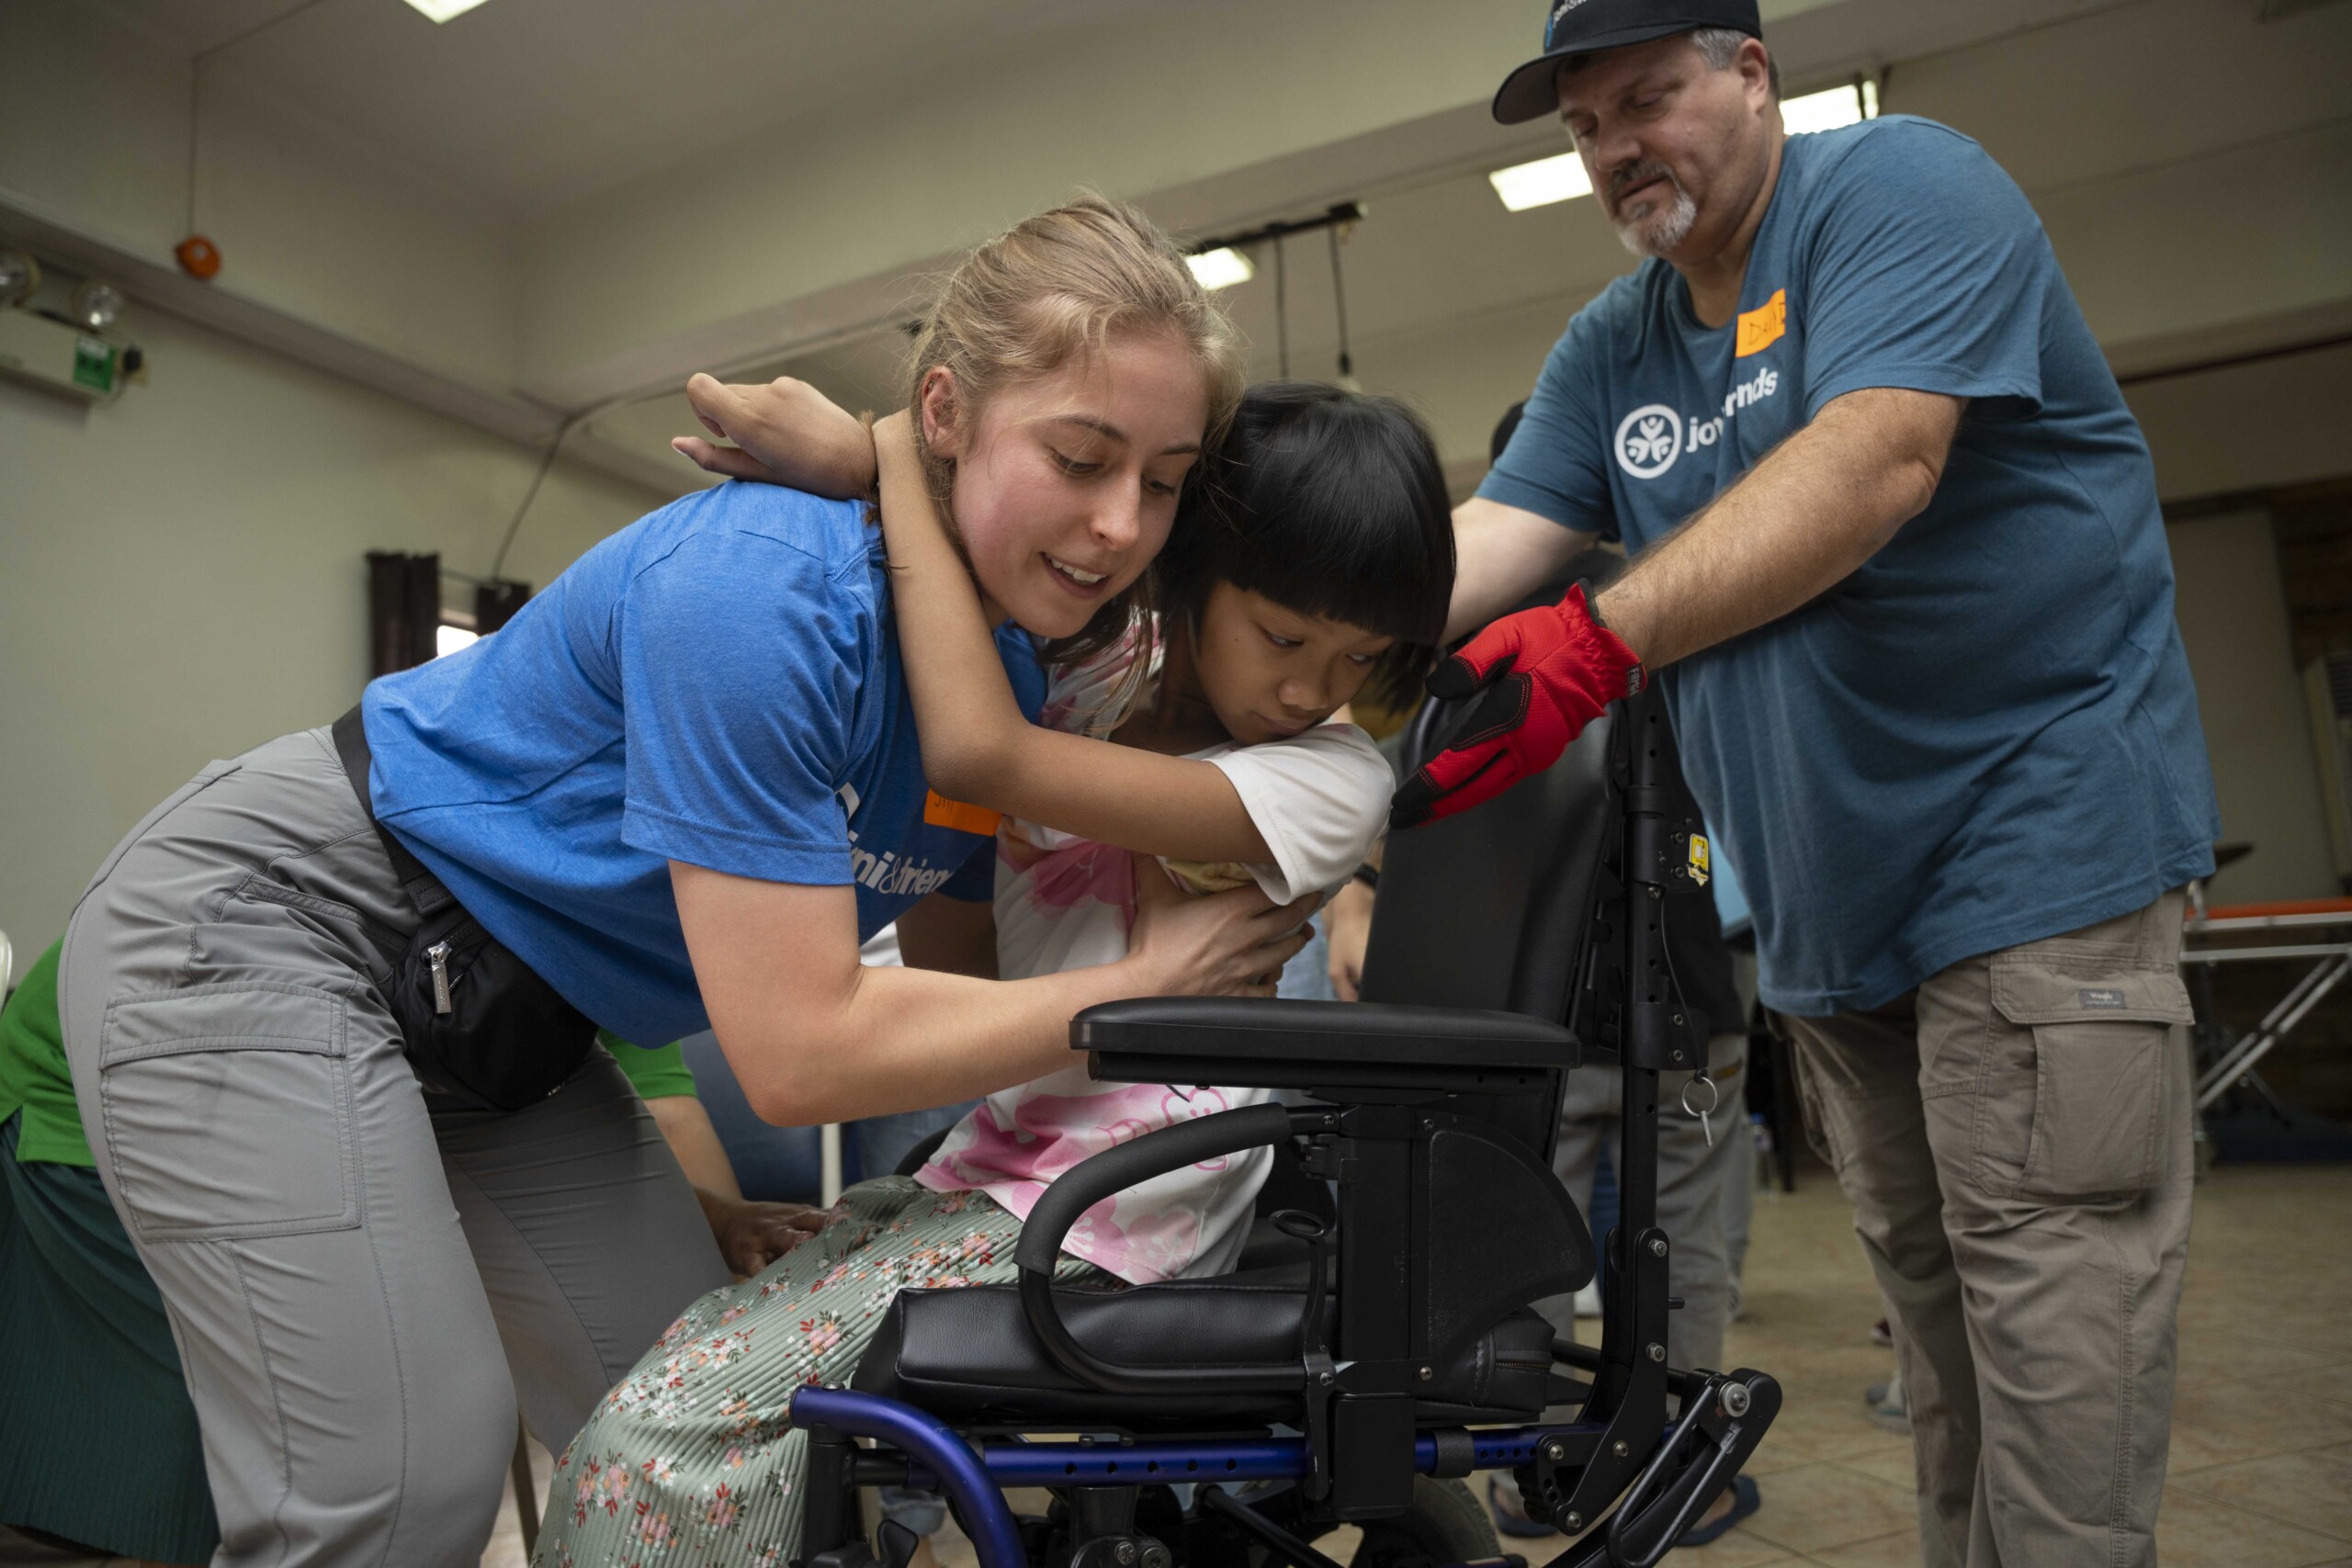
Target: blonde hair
(1052,288)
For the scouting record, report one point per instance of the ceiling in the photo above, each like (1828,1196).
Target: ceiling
(532,103)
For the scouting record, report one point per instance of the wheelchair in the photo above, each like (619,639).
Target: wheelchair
(1377,1343)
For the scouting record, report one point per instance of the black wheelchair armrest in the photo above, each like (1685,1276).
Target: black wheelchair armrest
(1348,1033)
(1114,1171)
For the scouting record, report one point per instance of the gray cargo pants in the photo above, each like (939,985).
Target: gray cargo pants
(2013,1136)
(362,1288)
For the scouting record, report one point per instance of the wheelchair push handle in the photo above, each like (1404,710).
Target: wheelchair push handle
(1105,1175)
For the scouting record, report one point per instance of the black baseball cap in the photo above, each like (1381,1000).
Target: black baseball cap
(1580,27)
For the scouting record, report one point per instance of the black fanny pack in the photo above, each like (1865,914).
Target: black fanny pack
(481,1026)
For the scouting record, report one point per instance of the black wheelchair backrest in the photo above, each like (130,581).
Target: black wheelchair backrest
(1490,908)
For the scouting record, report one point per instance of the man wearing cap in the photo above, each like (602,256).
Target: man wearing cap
(1899,566)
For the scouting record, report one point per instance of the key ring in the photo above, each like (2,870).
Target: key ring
(1715,1096)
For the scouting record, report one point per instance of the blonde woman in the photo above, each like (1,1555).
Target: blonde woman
(679,788)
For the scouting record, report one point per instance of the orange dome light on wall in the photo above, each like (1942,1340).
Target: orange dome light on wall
(199,257)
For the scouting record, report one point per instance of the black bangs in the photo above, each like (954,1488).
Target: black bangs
(1330,504)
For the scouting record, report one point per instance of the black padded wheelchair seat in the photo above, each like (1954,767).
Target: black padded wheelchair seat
(969,1354)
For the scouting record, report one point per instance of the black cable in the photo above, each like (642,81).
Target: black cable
(498,562)
(195,100)
(1666,951)
(1297,1552)
(195,76)
(1340,302)
(258,27)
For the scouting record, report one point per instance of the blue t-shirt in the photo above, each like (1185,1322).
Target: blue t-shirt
(1988,733)
(718,684)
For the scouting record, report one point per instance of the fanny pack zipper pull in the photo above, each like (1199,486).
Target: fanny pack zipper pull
(440,953)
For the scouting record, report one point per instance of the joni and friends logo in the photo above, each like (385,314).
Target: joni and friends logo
(887,872)
(1651,437)
(1559,10)
(1648,440)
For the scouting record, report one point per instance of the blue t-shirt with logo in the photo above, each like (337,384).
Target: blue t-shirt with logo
(718,684)
(1988,733)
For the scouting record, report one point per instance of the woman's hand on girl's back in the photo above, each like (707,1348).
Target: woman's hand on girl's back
(1224,944)
(786,432)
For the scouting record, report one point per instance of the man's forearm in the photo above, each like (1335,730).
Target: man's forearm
(1796,526)
(1501,555)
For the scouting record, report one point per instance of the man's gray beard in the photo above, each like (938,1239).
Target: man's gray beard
(1657,236)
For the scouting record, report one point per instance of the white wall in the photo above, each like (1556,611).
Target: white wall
(182,577)
(2234,621)
(2273,423)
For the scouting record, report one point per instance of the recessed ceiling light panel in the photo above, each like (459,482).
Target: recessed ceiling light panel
(1542,181)
(442,10)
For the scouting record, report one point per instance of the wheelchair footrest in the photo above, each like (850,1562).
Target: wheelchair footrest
(1722,1422)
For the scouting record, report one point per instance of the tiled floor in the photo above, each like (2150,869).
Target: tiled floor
(2261,1474)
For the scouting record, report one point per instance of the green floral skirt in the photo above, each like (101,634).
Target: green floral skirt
(689,1460)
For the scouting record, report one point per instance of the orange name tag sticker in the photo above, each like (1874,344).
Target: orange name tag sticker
(1761,328)
(942,812)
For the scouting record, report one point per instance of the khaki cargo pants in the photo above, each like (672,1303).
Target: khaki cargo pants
(2013,1136)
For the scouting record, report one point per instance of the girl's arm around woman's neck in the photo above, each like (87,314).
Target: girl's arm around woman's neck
(978,747)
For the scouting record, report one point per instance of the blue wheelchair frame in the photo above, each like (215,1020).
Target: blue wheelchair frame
(974,1480)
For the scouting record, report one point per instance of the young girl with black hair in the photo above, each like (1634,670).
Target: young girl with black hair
(1315,558)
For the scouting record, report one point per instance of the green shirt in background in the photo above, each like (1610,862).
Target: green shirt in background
(656,1070)
(32,1071)
(34,1078)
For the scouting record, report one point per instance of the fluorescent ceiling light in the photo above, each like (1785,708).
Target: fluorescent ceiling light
(1221,268)
(448,640)
(442,10)
(1542,182)
(1827,111)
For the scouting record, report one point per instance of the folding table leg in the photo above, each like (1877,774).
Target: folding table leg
(2259,1042)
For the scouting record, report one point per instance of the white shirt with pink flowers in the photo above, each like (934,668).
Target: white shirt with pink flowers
(1319,799)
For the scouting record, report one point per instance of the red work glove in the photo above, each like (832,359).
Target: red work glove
(1543,675)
